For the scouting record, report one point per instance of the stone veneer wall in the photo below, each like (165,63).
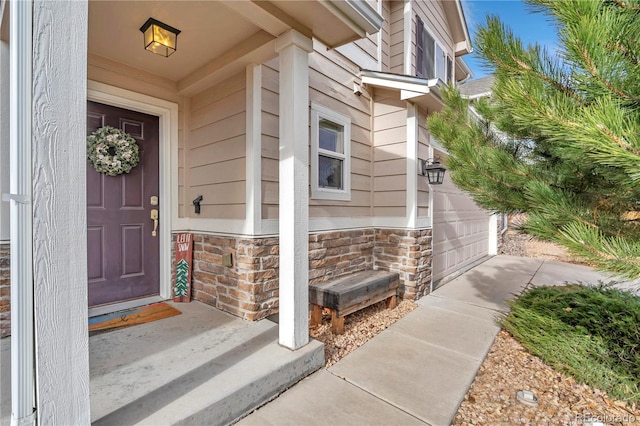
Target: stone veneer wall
(408,253)
(5,291)
(333,254)
(249,288)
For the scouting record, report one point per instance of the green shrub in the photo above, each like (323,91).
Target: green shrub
(590,333)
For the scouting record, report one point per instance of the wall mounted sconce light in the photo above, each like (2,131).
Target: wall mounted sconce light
(159,37)
(196,203)
(433,170)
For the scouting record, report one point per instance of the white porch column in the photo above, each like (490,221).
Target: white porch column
(294,49)
(412,165)
(59,111)
(493,235)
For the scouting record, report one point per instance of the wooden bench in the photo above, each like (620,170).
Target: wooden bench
(350,293)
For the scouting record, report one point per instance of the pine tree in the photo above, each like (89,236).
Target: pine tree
(560,138)
(182,273)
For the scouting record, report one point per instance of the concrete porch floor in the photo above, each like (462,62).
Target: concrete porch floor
(201,367)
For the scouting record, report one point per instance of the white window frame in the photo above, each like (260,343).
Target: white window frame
(438,48)
(319,112)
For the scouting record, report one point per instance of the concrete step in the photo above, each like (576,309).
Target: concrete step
(213,373)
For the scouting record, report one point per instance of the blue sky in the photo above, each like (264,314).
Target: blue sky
(530,27)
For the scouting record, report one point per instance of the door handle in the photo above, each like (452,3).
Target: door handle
(154,217)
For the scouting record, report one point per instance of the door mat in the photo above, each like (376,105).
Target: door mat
(132,316)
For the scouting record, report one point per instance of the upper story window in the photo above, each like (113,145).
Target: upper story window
(330,154)
(431,59)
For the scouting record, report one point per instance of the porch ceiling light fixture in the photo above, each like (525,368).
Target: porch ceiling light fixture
(159,37)
(433,170)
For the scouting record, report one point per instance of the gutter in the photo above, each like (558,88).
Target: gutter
(23,377)
(360,13)
(465,68)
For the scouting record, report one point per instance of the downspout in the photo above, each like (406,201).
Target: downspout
(23,411)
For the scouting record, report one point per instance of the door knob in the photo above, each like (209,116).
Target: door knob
(154,217)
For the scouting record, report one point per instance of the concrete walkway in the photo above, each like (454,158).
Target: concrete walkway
(418,370)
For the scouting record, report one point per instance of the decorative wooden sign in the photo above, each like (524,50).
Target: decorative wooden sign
(184,261)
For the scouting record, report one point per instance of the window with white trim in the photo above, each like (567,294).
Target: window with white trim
(330,154)
(431,59)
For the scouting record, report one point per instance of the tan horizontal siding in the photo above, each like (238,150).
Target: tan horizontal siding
(216,154)
(228,211)
(218,92)
(389,211)
(389,154)
(386,35)
(397,166)
(360,182)
(390,198)
(223,151)
(270,211)
(270,169)
(270,139)
(220,194)
(219,172)
(390,183)
(331,78)
(270,147)
(222,109)
(423,153)
(396,37)
(337,211)
(433,15)
(270,192)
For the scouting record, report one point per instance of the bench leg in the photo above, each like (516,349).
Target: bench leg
(391,302)
(316,315)
(337,323)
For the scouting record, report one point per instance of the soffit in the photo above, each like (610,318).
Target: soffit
(458,26)
(208,28)
(4,22)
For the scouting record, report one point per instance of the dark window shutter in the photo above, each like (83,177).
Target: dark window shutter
(429,55)
(449,70)
(420,70)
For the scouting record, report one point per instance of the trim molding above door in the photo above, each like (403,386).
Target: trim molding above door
(167,112)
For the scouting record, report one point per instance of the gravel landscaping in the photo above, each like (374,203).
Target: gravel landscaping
(508,368)
(359,328)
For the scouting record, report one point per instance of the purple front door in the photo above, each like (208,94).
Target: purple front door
(123,255)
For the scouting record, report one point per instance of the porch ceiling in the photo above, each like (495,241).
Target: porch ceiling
(208,28)
(219,38)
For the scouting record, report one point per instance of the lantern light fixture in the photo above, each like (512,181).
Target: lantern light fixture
(433,170)
(159,37)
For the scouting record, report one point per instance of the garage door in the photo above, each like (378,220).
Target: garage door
(460,230)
